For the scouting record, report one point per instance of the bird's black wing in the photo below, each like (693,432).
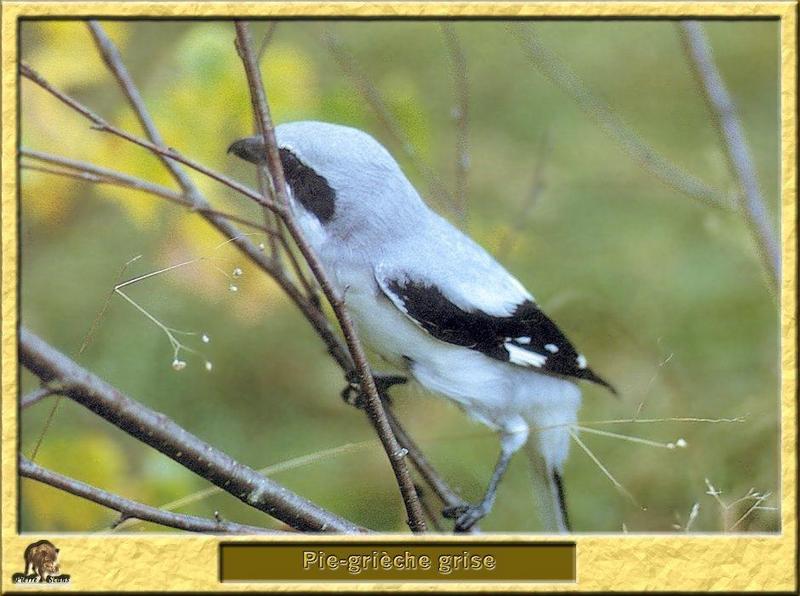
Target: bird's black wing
(525,336)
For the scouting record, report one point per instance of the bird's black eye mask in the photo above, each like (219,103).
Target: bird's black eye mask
(310,189)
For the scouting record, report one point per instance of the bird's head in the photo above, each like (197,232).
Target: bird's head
(339,174)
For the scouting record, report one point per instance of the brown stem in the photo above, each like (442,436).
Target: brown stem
(751,200)
(160,432)
(559,73)
(308,308)
(316,317)
(447,495)
(35,396)
(133,509)
(266,40)
(87,172)
(373,405)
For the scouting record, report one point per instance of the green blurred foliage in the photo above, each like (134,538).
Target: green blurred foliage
(665,295)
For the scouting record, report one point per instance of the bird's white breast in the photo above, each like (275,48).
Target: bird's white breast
(498,394)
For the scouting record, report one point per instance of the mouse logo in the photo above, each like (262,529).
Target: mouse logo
(41,565)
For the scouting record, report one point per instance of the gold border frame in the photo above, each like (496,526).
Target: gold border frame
(190,562)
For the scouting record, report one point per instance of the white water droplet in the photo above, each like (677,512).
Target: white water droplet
(209,366)
(233,288)
(237,272)
(178,364)
(261,247)
(681,443)
(205,338)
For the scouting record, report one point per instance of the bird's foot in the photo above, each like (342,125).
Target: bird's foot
(352,394)
(466,515)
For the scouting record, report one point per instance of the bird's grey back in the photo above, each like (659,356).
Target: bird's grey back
(378,210)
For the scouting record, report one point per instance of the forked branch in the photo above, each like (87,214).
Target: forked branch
(130,509)
(163,434)
(191,197)
(372,402)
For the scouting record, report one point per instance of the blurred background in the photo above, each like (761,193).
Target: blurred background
(665,294)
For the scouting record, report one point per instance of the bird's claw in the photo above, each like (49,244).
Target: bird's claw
(353,395)
(466,515)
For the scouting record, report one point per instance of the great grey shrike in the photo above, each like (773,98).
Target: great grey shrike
(433,303)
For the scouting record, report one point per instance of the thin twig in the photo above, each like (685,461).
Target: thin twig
(266,40)
(270,470)
(35,396)
(373,405)
(309,308)
(270,220)
(114,62)
(130,509)
(657,164)
(314,315)
(160,432)
(751,200)
(264,182)
(87,172)
(165,152)
(448,496)
(51,415)
(430,513)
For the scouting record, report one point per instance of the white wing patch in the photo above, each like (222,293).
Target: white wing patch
(524,357)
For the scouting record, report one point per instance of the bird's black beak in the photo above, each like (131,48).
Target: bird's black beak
(249,149)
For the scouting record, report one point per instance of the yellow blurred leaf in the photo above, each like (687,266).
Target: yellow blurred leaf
(92,458)
(66,53)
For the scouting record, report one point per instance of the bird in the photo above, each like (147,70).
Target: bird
(433,303)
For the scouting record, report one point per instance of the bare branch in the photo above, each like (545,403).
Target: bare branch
(447,496)
(373,405)
(104,126)
(35,396)
(314,315)
(431,513)
(751,200)
(461,116)
(308,307)
(266,40)
(161,433)
(658,165)
(264,184)
(133,509)
(87,172)
(112,59)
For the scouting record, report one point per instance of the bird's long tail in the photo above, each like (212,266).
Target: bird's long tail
(548,489)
